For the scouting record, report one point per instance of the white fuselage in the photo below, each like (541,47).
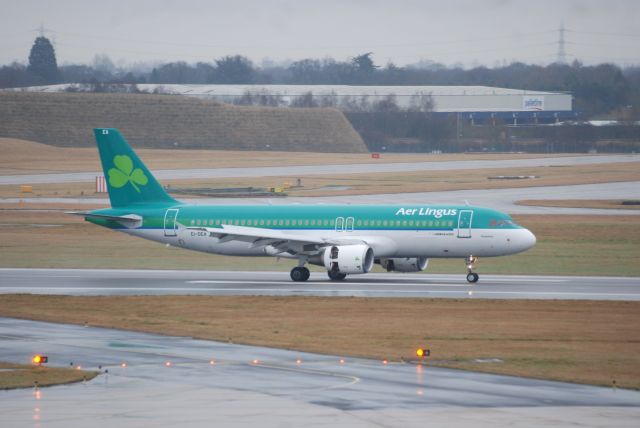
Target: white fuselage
(385,243)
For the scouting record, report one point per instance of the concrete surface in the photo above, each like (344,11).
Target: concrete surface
(276,391)
(500,199)
(276,171)
(95,282)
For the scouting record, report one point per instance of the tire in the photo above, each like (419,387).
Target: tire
(336,276)
(472,277)
(299,274)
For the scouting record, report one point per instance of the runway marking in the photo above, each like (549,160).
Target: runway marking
(352,379)
(475,290)
(206,281)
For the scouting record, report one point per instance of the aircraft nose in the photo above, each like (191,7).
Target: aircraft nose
(528,239)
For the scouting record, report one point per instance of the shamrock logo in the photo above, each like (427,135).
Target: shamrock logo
(124,173)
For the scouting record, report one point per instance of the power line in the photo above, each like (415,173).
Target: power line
(562,54)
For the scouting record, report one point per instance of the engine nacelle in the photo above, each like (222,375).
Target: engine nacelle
(405,264)
(348,258)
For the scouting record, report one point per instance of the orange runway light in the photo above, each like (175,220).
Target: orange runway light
(39,359)
(123,365)
(255,361)
(420,352)
(385,362)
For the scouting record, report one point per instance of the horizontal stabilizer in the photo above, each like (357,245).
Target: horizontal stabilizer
(130,221)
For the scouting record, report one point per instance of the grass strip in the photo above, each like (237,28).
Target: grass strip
(592,342)
(14,376)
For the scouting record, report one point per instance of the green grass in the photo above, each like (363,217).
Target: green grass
(567,245)
(14,376)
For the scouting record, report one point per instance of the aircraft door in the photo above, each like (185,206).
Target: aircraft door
(464,224)
(340,224)
(349,224)
(170,224)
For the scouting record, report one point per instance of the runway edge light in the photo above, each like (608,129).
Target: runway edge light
(39,359)
(422,352)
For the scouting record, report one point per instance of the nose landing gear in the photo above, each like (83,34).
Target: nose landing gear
(472,277)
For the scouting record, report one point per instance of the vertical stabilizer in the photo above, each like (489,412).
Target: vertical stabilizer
(128,180)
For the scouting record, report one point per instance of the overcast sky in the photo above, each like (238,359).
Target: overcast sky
(469,32)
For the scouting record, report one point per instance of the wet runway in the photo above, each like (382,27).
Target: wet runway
(218,384)
(93,282)
(302,170)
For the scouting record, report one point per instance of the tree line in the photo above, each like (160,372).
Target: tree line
(597,89)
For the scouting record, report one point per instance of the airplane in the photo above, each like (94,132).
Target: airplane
(344,239)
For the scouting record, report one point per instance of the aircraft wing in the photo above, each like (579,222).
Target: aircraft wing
(277,240)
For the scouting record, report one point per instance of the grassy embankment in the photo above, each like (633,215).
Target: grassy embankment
(161,121)
(576,341)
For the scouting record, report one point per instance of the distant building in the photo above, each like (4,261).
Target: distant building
(473,103)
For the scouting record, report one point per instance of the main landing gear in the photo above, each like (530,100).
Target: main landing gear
(300,273)
(472,277)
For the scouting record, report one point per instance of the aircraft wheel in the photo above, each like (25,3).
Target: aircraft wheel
(299,274)
(472,277)
(336,276)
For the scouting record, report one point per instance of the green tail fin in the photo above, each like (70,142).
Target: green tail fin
(128,179)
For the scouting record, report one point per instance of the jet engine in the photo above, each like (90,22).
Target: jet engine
(348,258)
(405,264)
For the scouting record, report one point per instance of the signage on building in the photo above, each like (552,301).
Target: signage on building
(532,103)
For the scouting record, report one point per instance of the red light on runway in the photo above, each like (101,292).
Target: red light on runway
(385,362)
(255,361)
(342,361)
(212,362)
(168,364)
(298,361)
(123,365)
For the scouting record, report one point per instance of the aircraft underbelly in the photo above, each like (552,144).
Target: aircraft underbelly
(434,244)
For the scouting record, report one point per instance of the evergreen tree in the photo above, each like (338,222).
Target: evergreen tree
(42,61)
